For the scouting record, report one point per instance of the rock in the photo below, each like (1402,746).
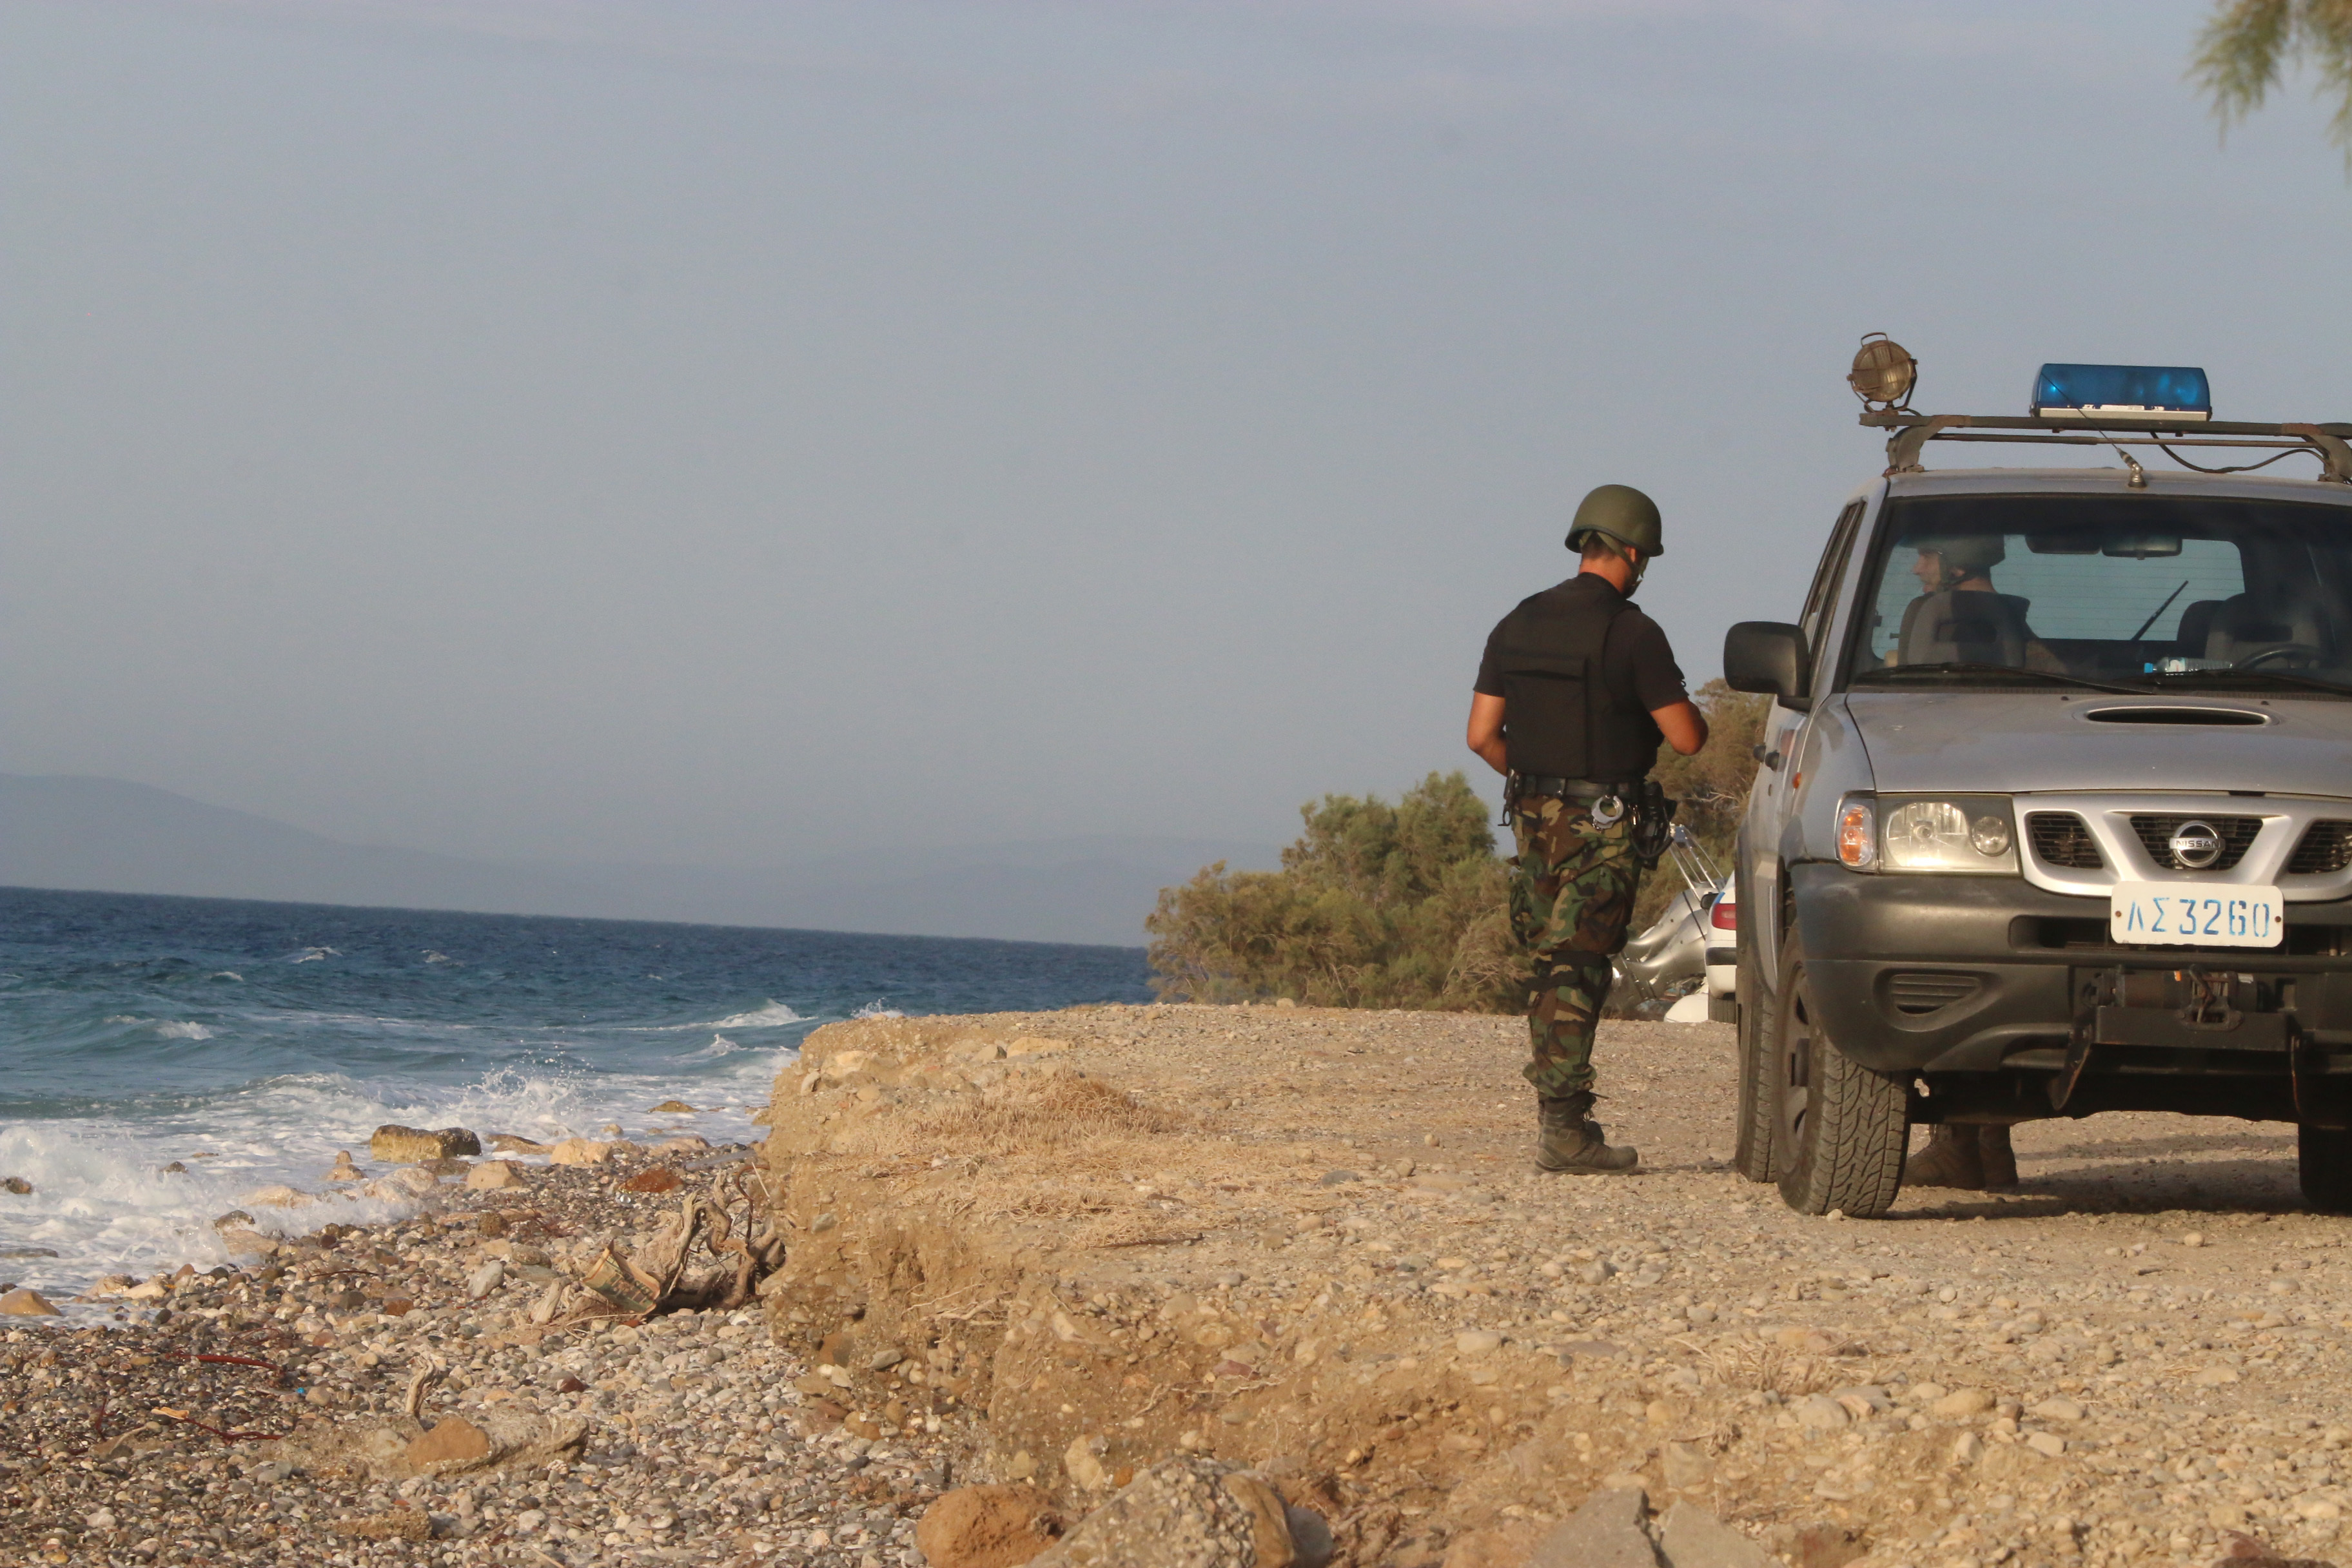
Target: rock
(1606,1532)
(395,1145)
(1686,1466)
(1594,1273)
(653,1179)
(579,1152)
(2047,1444)
(484,1280)
(987,1527)
(674,1108)
(17,1185)
(515,1143)
(1083,1468)
(246,1243)
(1337,1178)
(1694,1537)
(2065,1410)
(1961,1404)
(408,1182)
(493,1173)
(24,1302)
(1477,1341)
(233,1218)
(101,1519)
(451,1440)
(394,1524)
(1820,1413)
(279,1198)
(1180,1512)
(685,1146)
(343,1169)
(1825,1545)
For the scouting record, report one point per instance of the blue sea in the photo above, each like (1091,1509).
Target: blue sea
(246,1043)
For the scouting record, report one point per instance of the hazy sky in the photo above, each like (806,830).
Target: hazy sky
(735,432)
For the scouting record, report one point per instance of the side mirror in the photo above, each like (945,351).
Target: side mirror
(1768,656)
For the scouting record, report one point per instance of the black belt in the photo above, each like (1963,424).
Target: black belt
(1580,790)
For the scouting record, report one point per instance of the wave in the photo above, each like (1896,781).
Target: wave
(183,1031)
(719,1046)
(774,1015)
(877,1008)
(315,954)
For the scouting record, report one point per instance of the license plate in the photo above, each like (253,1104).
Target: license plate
(2180,915)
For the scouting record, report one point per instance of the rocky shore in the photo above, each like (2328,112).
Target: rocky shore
(383,1396)
(1251,1273)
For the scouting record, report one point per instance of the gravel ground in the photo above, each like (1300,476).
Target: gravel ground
(118,1446)
(1346,1268)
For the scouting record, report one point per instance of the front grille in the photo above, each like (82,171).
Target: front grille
(2325,847)
(1916,991)
(2061,838)
(2237,833)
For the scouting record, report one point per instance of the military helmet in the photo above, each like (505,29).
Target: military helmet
(1966,553)
(1622,513)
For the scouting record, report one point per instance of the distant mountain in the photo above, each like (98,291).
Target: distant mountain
(109,836)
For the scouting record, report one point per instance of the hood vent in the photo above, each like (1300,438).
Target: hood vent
(2222,716)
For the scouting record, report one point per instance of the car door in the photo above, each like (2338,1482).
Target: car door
(1774,799)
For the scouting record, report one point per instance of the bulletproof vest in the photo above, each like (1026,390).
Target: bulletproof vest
(1559,716)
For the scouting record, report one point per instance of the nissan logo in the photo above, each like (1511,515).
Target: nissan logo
(2195,845)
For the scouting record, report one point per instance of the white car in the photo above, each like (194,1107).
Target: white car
(1723,955)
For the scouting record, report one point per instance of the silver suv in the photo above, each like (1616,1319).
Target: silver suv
(2055,809)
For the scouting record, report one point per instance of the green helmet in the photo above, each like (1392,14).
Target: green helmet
(1623,514)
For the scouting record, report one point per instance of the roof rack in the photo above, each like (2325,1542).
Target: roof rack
(2331,444)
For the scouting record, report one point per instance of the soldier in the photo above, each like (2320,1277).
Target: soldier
(1575,691)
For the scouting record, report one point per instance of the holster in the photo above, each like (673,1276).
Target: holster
(1654,817)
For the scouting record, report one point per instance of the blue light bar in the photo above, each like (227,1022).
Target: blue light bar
(2140,390)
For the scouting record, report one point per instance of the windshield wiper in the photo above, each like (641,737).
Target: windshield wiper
(2275,676)
(1897,671)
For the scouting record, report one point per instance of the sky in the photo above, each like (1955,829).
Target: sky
(733,433)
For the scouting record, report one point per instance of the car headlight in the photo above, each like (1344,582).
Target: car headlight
(1970,834)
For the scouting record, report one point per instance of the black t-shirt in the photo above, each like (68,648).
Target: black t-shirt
(1637,664)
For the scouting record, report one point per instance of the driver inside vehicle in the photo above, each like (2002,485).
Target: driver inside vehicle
(1959,617)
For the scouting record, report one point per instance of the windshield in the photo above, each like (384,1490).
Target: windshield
(2141,591)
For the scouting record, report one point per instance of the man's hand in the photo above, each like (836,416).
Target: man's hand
(1684,726)
(1486,730)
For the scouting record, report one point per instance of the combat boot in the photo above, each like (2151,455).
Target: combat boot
(1954,1157)
(1571,1143)
(1999,1158)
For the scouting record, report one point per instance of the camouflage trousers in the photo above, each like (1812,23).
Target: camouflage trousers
(1571,895)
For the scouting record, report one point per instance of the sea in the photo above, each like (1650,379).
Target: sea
(161,1058)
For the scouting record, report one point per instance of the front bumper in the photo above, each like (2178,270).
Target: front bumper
(1950,975)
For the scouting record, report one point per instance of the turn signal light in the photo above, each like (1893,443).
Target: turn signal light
(1857,833)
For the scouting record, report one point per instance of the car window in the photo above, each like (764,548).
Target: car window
(2111,588)
(1823,593)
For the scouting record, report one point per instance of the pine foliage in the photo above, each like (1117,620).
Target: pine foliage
(2248,46)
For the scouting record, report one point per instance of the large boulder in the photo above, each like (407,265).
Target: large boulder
(414,1146)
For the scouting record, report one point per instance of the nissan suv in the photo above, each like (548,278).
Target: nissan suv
(2054,814)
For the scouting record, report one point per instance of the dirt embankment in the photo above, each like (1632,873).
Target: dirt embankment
(1078,1242)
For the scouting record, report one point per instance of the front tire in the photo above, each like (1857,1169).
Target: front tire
(1753,1153)
(2322,1163)
(1843,1129)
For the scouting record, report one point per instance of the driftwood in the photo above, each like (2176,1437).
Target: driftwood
(662,1278)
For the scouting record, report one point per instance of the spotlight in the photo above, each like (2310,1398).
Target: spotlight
(1883,372)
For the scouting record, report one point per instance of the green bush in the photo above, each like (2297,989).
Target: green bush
(1375,905)
(1407,905)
